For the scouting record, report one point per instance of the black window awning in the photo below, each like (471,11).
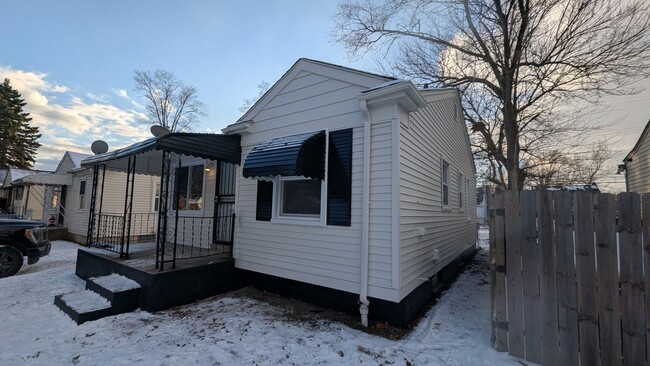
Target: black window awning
(296,155)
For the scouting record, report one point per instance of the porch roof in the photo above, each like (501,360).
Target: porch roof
(49,179)
(211,146)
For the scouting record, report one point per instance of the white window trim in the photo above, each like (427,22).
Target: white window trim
(445,207)
(297,220)
(462,206)
(467,190)
(196,213)
(81,198)
(156,183)
(278,218)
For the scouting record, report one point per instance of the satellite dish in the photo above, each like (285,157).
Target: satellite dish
(158,130)
(99,147)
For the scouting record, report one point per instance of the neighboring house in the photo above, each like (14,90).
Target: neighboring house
(637,164)
(355,182)
(66,195)
(481,205)
(350,189)
(24,201)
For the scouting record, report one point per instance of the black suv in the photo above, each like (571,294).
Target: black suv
(18,239)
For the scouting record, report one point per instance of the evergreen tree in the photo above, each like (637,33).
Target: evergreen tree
(18,140)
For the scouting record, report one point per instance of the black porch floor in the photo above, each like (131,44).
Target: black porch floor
(191,280)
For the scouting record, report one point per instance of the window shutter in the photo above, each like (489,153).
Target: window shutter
(264,200)
(339,178)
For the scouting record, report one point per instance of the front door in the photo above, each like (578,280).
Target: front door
(224,204)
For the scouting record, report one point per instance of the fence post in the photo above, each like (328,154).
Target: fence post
(497,270)
(586,278)
(513,274)
(530,272)
(565,276)
(608,282)
(548,288)
(646,264)
(632,309)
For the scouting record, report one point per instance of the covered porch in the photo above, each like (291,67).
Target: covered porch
(192,218)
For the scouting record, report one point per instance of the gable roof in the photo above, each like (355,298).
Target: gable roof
(74,157)
(636,147)
(300,65)
(15,174)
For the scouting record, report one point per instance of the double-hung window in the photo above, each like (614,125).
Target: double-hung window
(188,193)
(461,199)
(445,183)
(82,194)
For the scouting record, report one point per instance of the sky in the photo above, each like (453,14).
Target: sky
(73,62)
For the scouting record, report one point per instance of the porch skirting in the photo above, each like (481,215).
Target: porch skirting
(164,290)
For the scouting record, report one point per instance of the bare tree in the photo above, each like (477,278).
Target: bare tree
(262,88)
(170,102)
(519,64)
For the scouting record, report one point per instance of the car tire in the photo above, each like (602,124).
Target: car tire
(11,260)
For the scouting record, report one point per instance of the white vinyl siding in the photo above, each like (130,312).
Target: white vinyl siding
(638,169)
(432,136)
(328,256)
(113,201)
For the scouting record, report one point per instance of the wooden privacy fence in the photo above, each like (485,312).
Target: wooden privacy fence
(568,280)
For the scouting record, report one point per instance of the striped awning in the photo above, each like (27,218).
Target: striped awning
(296,155)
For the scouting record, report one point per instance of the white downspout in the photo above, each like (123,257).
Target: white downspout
(365,219)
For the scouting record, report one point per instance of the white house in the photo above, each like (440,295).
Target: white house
(637,164)
(345,187)
(355,182)
(24,201)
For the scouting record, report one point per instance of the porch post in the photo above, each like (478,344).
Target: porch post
(91,209)
(177,183)
(101,201)
(162,211)
(127,209)
(128,238)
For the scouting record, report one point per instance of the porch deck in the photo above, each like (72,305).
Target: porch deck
(191,280)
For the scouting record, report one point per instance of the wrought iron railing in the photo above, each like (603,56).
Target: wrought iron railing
(110,233)
(181,237)
(188,237)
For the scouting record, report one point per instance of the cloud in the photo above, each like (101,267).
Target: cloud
(71,122)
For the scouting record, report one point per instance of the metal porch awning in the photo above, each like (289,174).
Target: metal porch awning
(296,155)
(211,146)
(50,179)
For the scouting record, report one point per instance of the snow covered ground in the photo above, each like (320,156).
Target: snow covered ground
(231,329)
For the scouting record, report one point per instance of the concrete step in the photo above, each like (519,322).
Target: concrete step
(122,292)
(83,306)
(103,296)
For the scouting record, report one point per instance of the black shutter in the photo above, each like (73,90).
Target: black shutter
(264,200)
(339,178)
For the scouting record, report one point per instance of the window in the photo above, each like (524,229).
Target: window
(19,194)
(188,193)
(156,196)
(445,183)
(461,200)
(300,197)
(469,217)
(287,197)
(82,194)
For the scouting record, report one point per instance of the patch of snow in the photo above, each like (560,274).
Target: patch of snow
(231,329)
(85,301)
(115,282)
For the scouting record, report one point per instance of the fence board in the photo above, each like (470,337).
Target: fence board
(586,277)
(530,272)
(565,275)
(513,274)
(632,306)
(498,275)
(608,281)
(646,266)
(548,289)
